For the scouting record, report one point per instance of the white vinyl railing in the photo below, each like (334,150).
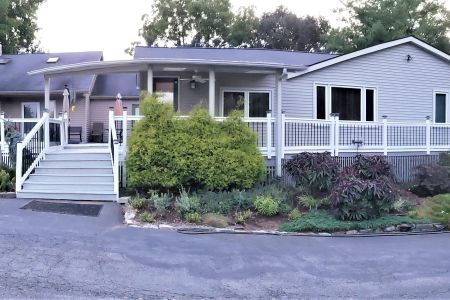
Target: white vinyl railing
(113,144)
(45,134)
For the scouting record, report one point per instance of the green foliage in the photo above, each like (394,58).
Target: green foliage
(413,214)
(139,203)
(437,209)
(403,205)
(192,217)
(320,221)
(309,202)
(215,220)
(444,159)
(241,217)
(316,172)
(294,214)
(161,202)
(146,217)
(266,205)
(369,23)
(196,151)
(185,204)
(244,28)
(18,25)
(6,181)
(432,179)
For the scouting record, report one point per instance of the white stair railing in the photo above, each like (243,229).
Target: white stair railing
(113,145)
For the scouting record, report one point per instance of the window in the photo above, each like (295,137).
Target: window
(351,103)
(30,110)
(167,90)
(253,104)
(440,107)
(135,110)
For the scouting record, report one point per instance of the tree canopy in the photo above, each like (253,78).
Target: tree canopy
(371,22)
(18,25)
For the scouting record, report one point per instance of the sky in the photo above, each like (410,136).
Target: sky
(111,25)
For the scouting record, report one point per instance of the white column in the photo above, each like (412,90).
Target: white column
(269,134)
(2,132)
(280,125)
(150,80)
(385,136)
(212,93)
(428,134)
(47,93)
(87,117)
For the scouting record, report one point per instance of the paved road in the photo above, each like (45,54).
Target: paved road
(44,255)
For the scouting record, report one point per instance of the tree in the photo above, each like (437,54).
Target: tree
(18,25)
(244,28)
(371,22)
(283,29)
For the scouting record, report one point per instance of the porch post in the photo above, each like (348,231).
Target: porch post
(150,80)
(280,125)
(47,93)
(212,93)
(87,121)
(428,134)
(2,132)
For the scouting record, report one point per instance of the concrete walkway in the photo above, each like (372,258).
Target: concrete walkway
(44,255)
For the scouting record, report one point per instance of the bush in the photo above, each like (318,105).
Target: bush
(437,209)
(357,199)
(309,202)
(193,217)
(432,180)
(161,202)
(266,205)
(186,204)
(320,221)
(215,220)
(241,217)
(196,151)
(371,167)
(294,214)
(6,182)
(402,205)
(139,203)
(315,171)
(146,217)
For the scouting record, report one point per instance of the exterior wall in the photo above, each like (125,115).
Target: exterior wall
(405,89)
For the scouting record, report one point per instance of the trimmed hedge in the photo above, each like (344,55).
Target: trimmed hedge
(166,152)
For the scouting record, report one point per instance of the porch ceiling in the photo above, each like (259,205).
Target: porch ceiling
(137,65)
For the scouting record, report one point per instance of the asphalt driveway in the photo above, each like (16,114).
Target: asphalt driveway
(47,255)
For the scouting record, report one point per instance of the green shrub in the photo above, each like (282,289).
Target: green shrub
(357,199)
(161,202)
(193,217)
(215,220)
(444,159)
(167,152)
(139,203)
(413,214)
(314,171)
(320,221)
(6,182)
(266,205)
(186,204)
(309,202)
(402,205)
(146,217)
(241,217)
(432,180)
(294,214)
(437,209)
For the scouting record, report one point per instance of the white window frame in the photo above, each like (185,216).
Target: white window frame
(246,92)
(447,102)
(328,100)
(31,103)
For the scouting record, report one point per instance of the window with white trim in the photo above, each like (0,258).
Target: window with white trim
(254,104)
(440,107)
(351,103)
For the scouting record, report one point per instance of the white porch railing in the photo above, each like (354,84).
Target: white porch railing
(333,135)
(48,134)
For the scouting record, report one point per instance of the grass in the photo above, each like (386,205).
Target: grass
(321,221)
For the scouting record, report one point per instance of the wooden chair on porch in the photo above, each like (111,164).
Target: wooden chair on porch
(97,133)
(77,132)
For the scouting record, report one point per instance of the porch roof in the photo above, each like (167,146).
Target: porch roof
(137,65)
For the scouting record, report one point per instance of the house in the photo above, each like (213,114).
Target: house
(389,99)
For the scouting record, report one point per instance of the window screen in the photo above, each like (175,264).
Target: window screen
(346,102)
(320,106)
(233,101)
(440,108)
(370,105)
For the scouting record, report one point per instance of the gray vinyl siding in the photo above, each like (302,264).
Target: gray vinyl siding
(405,89)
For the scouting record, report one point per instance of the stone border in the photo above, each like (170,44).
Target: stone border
(186,228)
(7,195)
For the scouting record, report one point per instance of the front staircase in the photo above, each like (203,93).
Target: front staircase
(78,172)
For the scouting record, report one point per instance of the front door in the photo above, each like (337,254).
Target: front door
(167,90)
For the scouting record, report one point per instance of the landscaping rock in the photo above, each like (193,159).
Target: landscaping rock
(324,234)
(352,232)
(439,227)
(405,227)
(366,231)
(390,229)
(424,227)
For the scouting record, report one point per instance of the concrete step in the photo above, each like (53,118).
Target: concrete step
(82,169)
(96,196)
(68,187)
(71,178)
(76,163)
(77,156)
(87,146)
